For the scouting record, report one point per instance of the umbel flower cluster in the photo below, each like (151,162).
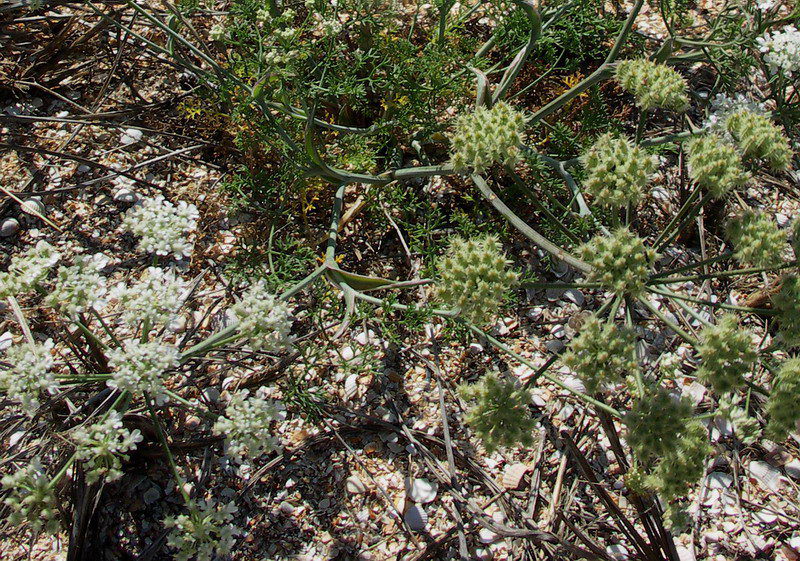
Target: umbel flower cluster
(29,375)
(80,287)
(263,320)
(783,406)
(620,261)
(601,353)
(486,137)
(714,165)
(726,354)
(246,425)
(787,303)
(781,50)
(28,269)
(653,85)
(759,138)
(153,299)
(663,435)
(474,278)
(617,171)
(205,531)
(31,497)
(139,367)
(103,446)
(756,238)
(162,226)
(500,414)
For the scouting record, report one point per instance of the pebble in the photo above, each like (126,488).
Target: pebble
(421,490)
(355,486)
(126,196)
(792,468)
(151,495)
(5,340)
(9,227)
(487,536)
(416,518)
(130,136)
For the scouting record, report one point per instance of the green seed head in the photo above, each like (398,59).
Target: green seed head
(757,240)
(783,407)
(759,138)
(617,171)
(486,137)
(620,262)
(726,354)
(683,464)
(714,165)
(787,303)
(655,422)
(601,353)
(474,278)
(500,414)
(653,85)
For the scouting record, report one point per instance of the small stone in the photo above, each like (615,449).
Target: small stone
(15,437)
(355,486)
(151,495)
(211,394)
(9,227)
(421,490)
(192,422)
(792,468)
(416,518)
(513,475)
(5,340)
(126,196)
(487,536)
(618,552)
(555,346)
(130,136)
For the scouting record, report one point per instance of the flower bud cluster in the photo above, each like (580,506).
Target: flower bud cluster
(103,445)
(205,533)
(653,85)
(29,374)
(787,303)
(783,406)
(726,354)
(620,261)
(617,171)
(139,367)
(601,353)
(486,137)
(262,319)
(714,164)
(31,498)
(162,226)
(500,414)
(757,240)
(80,287)
(758,137)
(474,278)
(28,269)
(246,425)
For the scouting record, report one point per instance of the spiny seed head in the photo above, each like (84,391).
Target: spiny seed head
(620,261)
(655,422)
(714,165)
(759,138)
(487,136)
(31,498)
(683,464)
(602,352)
(787,303)
(757,240)
(653,85)
(500,415)
(617,171)
(474,278)
(726,354)
(783,406)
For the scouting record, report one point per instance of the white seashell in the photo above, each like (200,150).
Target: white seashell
(355,486)
(416,518)
(9,227)
(421,490)
(766,475)
(513,475)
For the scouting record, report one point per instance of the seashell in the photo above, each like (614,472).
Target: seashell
(416,518)
(9,227)
(513,475)
(421,490)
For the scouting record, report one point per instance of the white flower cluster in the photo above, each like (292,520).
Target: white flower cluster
(28,269)
(139,367)
(80,287)
(29,374)
(723,106)
(162,226)
(246,425)
(781,50)
(203,533)
(262,319)
(217,32)
(103,445)
(154,299)
(31,497)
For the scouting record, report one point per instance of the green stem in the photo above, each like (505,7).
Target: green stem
(179,481)
(683,335)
